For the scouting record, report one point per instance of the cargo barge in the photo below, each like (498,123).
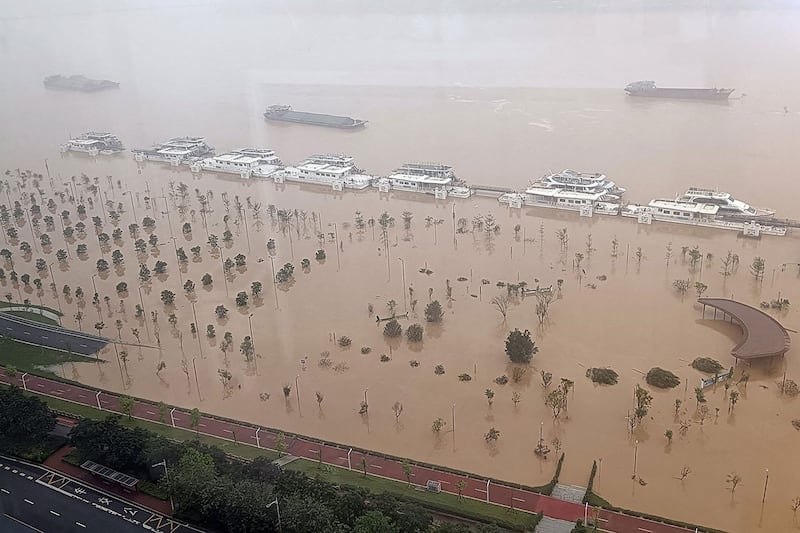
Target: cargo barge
(284,113)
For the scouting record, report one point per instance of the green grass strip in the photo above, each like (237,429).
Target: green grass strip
(442,502)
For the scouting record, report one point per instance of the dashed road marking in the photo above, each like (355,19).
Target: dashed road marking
(645,530)
(376,466)
(201,425)
(14,471)
(227,431)
(26,332)
(26,500)
(44,336)
(150,412)
(82,345)
(518,499)
(79,524)
(54,513)
(4,491)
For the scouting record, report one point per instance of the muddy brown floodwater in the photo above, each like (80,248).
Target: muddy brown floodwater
(621,312)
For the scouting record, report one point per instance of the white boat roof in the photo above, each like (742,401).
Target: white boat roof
(421,178)
(85,142)
(551,192)
(324,167)
(338,159)
(690,207)
(711,193)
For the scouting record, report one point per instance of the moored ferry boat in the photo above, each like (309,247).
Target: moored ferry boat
(572,181)
(176,151)
(245,162)
(94,143)
(570,190)
(428,178)
(729,206)
(697,214)
(334,170)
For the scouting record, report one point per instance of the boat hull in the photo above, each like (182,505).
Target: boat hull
(315,119)
(683,94)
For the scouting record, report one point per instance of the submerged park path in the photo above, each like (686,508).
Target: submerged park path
(342,456)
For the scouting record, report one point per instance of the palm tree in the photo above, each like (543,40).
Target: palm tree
(460,486)
(79,318)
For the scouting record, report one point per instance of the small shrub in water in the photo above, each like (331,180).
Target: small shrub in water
(663,379)
(365,350)
(385,358)
(606,376)
(414,363)
(345,341)
(707,364)
(438,370)
(464,377)
(501,380)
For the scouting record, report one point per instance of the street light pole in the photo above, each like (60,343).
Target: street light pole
(403,263)
(336,236)
(224,274)
(453,420)
(196,381)
(253,342)
(297,393)
(166,473)
(33,235)
(766,482)
(197,326)
(58,298)
(278,509)
(144,312)
(274,281)
(635,454)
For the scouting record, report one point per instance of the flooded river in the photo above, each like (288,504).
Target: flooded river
(486,97)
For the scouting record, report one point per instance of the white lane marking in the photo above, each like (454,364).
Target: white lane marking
(376,466)
(201,425)
(30,477)
(54,513)
(22,474)
(7,467)
(518,499)
(9,329)
(79,524)
(480,490)
(14,471)
(150,412)
(44,336)
(82,345)
(28,501)
(227,431)
(81,395)
(26,332)
(645,530)
(4,491)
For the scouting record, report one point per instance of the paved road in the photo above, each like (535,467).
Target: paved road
(50,336)
(476,487)
(49,502)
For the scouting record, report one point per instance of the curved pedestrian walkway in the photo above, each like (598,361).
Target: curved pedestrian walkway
(763,335)
(477,488)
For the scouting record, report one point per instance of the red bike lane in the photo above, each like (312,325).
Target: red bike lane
(475,487)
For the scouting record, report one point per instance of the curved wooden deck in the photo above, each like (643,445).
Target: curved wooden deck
(763,335)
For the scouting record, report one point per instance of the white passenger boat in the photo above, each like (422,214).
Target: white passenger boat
(728,205)
(570,190)
(177,151)
(581,182)
(243,162)
(696,214)
(333,170)
(94,143)
(427,178)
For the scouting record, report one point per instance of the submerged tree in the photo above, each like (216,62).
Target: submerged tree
(520,347)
